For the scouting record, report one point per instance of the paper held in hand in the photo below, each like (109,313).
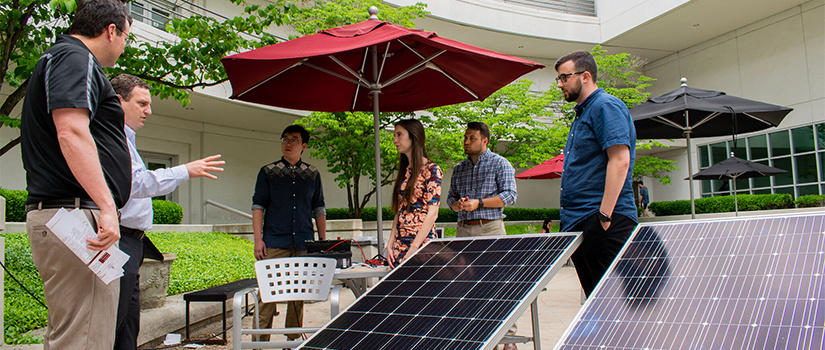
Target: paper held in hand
(73,228)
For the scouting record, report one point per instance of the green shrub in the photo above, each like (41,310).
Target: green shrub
(369,214)
(337,213)
(722,204)
(446,215)
(166,212)
(520,214)
(22,313)
(809,201)
(15,204)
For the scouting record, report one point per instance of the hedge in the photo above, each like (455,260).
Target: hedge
(447,215)
(722,204)
(813,200)
(15,204)
(166,212)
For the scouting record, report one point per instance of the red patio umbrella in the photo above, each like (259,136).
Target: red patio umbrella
(348,68)
(548,169)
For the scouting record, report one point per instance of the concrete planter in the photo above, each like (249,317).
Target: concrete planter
(154,281)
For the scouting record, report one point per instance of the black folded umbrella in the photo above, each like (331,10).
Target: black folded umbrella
(735,168)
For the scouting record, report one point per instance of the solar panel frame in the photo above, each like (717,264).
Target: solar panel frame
(442,339)
(720,301)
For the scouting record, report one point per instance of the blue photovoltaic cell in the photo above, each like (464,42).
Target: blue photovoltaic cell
(452,294)
(745,283)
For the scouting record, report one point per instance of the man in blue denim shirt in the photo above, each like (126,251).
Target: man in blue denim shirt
(596,185)
(288,195)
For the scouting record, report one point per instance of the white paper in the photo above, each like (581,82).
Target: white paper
(72,228)
(172,339)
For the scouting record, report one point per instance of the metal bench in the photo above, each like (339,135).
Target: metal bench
(221,294)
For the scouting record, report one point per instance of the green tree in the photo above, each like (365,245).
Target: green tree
(172,69)
(335,13)
(514,114)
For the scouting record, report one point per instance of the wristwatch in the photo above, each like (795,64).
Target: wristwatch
(480,203)
(603,217)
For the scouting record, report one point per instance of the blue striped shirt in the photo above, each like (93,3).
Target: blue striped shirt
(491,176)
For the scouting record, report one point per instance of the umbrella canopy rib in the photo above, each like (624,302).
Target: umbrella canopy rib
(767,124)
(414,68)
(361,80)
(436,68)
(272,77)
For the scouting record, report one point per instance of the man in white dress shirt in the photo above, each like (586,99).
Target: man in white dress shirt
(136,215)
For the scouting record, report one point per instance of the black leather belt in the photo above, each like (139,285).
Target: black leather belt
(132,232)
(62,203)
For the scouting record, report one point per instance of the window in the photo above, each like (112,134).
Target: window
(800,151)
(758,146)
(155,161)
(151,12)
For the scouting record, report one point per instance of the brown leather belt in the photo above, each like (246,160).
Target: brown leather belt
(132,232)
(476,222)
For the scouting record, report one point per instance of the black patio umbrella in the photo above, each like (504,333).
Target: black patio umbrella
(688,112)
(735,168)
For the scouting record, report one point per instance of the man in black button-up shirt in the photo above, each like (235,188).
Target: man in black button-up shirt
(288,195)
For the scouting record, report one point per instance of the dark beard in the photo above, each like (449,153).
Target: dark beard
(572,96)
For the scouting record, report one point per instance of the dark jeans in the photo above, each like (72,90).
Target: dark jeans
(128,309)
(599,247)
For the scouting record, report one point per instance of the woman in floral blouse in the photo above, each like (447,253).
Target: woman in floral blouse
(415,205)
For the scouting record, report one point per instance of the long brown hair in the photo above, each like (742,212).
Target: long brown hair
(416,132)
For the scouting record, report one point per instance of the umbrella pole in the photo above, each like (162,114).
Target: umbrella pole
(690,175)
(735,200)
(379,228)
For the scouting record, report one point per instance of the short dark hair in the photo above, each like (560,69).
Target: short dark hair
(641,182)
(94,16)
(299,129)
(124,84)
(480,126)
(582,60)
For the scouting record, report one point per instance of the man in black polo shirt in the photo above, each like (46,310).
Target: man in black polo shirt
(288,195)
(75,156)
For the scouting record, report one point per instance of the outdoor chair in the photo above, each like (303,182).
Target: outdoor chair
(282,280)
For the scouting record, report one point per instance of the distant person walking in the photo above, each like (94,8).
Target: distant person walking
(644,198)
(415,201)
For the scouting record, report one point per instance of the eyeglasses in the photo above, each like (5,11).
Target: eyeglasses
(292,141)
(128,39)
(563,77)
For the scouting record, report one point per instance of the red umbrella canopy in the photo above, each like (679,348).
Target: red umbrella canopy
(549,169)
(332,71)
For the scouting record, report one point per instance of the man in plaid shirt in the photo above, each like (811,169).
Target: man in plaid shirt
(481,186)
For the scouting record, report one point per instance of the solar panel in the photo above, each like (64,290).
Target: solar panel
(745,283)
(452,294)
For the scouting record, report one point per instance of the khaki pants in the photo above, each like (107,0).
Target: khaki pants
(82,309)
(294,309)
(492,228)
